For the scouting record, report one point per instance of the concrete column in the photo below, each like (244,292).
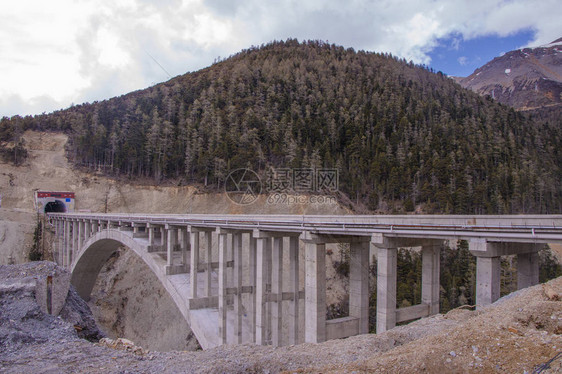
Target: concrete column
(223,244)
(268,304)
(359,284)
(237,283)
(74,243)
(230,257)
(430,277)
(95,227)
(252,254)
(527,270)
(60,254)
(172,237)
(67,243)
(87,230)
(487,280)
(83,235)
(57,240)
(277,291)
(151,235)
(60,242)
(209,259)
(184,241)
(74,235)
(386,289)
(194,262)
(64,239)
(60,245)
(80,235)
(163,237)
(262,248)
(315,292)
(294,289)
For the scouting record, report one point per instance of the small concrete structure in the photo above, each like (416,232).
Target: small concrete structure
(236,279)
(51,291)
(54,202)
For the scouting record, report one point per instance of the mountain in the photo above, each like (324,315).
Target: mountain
(526,78)
(403,138)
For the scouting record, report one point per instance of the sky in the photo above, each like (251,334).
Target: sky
(54,54)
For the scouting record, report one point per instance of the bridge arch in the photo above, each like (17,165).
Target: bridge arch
(95,252)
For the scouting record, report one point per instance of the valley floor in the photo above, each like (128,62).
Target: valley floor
(514,335)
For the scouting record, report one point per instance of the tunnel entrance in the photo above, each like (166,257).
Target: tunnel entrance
(56,206)
(54,202)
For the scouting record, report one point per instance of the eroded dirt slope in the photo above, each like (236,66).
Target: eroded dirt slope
(514,335)
(123,295)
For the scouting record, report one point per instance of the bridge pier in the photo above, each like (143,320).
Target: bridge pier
(222,241)
(386,288)
(151,235)
(80,238)
(237,284)
(294,285)
(252,281)
(276,291)
(163,237)
(87,231)
(387,312)
(487,280)
(194,261)
(263,247)
(66,242)
(195,243)
(314,289)
(317,328)
(75,242)
(488,255)
(430,277)
(208,240)
(527,269)
(184,247)
(57,243)
(171,234)
(359,284)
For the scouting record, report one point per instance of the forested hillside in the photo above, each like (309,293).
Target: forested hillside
(402,136)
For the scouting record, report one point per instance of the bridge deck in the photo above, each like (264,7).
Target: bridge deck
(529,228)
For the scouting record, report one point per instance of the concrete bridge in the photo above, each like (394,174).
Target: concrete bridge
(246,278)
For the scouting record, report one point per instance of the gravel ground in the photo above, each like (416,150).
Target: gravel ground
(514,335)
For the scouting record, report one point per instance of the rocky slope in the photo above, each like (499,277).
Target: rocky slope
(22,320)
(525,78)
(515,335)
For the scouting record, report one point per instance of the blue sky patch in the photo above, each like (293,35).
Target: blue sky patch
(458,57)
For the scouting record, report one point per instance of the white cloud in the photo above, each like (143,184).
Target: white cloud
(463,60)
(74,51)
(455,43)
